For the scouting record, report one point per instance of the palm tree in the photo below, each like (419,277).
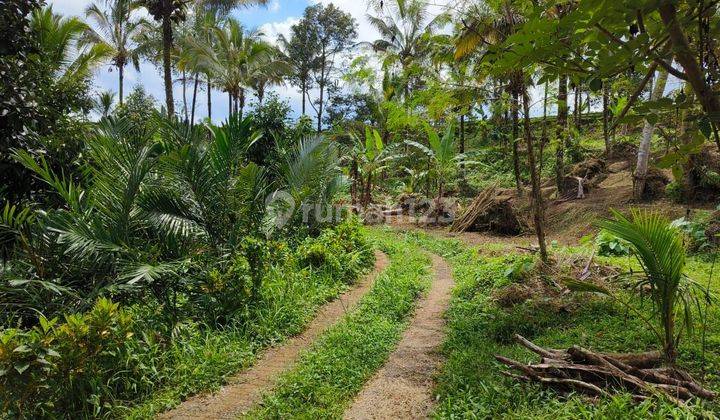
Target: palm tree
(269,70)
(658,247)
(237,60)
(169,12)
(492,26)
(118,27)
(60,47)
(403,30)
(103,103)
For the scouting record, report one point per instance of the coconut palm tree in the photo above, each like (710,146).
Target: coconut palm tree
(103,103)
(169,12)
(118,26)
(269,70)
(237,60)
(403,31)
(59,44)
(488,25)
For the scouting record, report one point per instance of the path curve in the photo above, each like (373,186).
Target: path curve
(245,389)
(403,388)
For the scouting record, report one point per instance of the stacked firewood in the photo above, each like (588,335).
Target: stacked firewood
(597,374)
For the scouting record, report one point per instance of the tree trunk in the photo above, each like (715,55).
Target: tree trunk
(515,134)
(647,134)
(462,144)
(230,104)
(537,199)
(121,78)
(241,100)
(561,133)
(167,63)
(543,136)
(686,57)
(322,92)
(209,98)
(606,116)
(368,191)
(194,100)
(303,88)
(184,95)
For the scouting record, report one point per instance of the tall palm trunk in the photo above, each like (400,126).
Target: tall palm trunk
(209,98)
(184,94)
(537,198)
(561,133)
(647,134)
(121,81)
(167,64)
(241,101)
(194,100)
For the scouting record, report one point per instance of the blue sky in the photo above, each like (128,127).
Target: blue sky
(274,19)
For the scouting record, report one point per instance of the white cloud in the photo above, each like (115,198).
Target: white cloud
(274,6)
(273,29)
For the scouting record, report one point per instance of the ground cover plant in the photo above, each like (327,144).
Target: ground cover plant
(332,372)
(471,383)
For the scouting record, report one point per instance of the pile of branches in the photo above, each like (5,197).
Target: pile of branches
(490,211)
(597,374)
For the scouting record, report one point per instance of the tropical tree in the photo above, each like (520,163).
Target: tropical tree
(487,26)
(368,156)
(299,52)
(58,38)
(103,103)
(237,59)
(330,31)
(442,153)
(404,29)
(118,27)
(170,12)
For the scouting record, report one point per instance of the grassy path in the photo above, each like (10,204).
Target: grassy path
(245,389)
(337,366)
(403,388)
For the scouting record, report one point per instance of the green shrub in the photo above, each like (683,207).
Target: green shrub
(675,191)
(694,234)
(71,366)
(608,245)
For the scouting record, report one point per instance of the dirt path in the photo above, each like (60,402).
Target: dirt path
(244,390)
(402,389)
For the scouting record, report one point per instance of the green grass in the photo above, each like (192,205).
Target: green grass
(202,359)
(339,363)
(470,385)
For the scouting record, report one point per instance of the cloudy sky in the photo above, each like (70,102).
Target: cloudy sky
(274,19)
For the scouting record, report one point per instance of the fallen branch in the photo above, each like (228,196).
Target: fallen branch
(598,374)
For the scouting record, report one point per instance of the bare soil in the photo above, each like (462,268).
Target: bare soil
(403,388)
(245,390)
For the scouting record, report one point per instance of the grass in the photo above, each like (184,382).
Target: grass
(201,358)
(338,364)
(470,385)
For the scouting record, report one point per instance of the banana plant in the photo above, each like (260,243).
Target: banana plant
(442,154)
(368,157)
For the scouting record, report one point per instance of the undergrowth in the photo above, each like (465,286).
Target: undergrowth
(339,363)
(470,384)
